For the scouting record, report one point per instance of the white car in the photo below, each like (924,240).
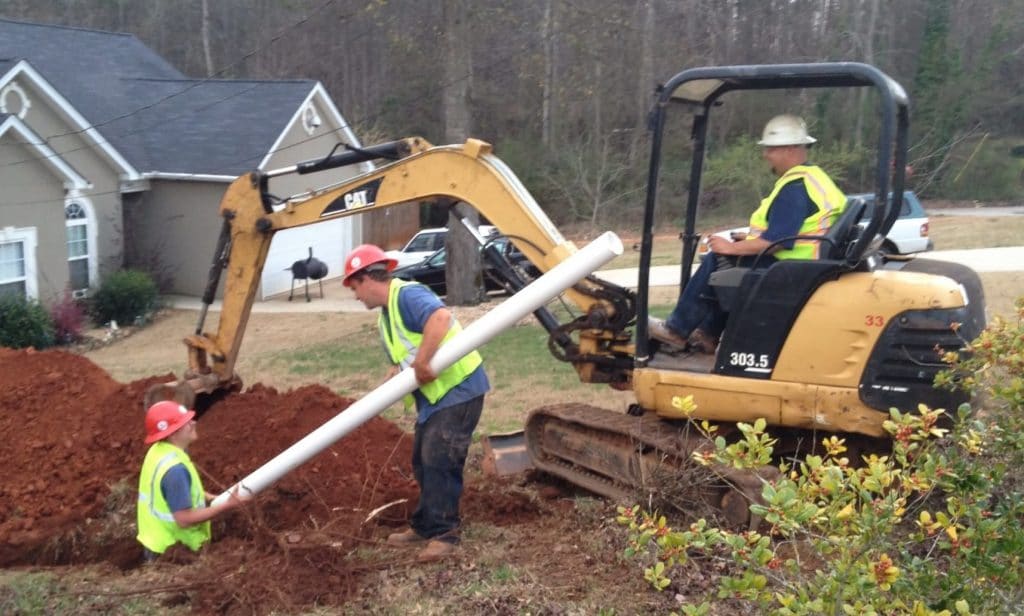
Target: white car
(909,234)
(426,242)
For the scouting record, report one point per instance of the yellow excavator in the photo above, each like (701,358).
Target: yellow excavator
(813,347)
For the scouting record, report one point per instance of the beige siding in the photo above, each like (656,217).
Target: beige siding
(34,197)
(390,228)
(76,150)
(173,231)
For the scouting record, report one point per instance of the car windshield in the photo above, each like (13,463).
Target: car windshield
(439,257)
(422,242)
(869,204)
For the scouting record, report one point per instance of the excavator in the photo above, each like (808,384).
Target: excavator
(814,347)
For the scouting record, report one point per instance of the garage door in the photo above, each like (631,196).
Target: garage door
(331,241)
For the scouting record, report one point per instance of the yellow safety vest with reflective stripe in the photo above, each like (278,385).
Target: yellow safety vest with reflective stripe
(826,196)
(402,345)
(157,528)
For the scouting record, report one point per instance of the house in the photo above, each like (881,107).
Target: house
(110,158)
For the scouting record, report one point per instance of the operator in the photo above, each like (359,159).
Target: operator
(413,324)
(172,503)
(804,201)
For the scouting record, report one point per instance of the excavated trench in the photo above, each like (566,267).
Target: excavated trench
(71,442)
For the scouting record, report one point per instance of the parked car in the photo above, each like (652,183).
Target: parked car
(909,234)
(431,271)
(426,242)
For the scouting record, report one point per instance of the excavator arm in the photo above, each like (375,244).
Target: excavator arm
(416,172)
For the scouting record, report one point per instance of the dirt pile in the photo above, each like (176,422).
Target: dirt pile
(71,439)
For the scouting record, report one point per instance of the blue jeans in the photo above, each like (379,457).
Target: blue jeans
(438,457)
(697,307)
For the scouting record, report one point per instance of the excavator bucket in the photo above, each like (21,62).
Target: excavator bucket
(505,454)
(196,393)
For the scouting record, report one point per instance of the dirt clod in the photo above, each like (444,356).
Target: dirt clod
(71,438)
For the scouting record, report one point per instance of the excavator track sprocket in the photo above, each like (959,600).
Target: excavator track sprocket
(629,458)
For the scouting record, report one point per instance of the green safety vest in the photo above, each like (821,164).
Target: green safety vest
(157,528)
(823,192)
(402,345)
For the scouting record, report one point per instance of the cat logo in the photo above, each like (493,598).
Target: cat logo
(355,199)
(360,197)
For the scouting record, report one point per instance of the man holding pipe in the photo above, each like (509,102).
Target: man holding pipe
(172,503)
(413,324)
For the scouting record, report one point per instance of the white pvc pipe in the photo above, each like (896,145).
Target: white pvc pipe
(508,313)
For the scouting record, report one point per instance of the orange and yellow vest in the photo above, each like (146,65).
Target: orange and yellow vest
(829,200)
(402,345)
(157,528)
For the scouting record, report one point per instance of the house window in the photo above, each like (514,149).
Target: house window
(17,261)
(77,222)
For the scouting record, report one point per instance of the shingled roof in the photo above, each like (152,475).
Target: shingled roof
(160,120)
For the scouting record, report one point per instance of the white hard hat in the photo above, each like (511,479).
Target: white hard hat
(785,130)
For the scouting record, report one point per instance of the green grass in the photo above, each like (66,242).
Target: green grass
(30,593)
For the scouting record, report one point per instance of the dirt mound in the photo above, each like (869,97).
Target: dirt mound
(71,438)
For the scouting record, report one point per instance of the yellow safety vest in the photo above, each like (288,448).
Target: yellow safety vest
(826,196)
(402,345)
(157,528)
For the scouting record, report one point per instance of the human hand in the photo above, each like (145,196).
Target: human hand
(719,245)
(424,374)
(737,236)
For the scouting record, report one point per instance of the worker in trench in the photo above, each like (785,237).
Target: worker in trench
(172,506)
(413,324)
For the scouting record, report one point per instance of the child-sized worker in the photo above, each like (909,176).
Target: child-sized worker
(172,503)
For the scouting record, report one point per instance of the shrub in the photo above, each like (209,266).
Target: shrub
(68,317)
(24,323)
(932,528)
(126,296)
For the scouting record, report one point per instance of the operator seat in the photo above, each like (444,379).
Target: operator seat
(764,302)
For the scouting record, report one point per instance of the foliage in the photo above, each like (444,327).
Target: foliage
(126,296)
(932,528)
(983,170)
(24,323)
(68,316)
(736,177)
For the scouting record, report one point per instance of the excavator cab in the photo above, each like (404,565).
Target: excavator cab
(767,305)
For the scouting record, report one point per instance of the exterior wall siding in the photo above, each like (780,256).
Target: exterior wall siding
(172,231)
(33,197)
(80,153)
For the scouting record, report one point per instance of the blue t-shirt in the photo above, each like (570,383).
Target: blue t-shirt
(416,303)
(176,486)
(787,213)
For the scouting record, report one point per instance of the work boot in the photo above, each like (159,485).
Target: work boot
(703,342)
(659,330)
(435,550)
(406,538)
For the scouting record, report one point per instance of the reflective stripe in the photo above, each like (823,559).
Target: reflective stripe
(402,346)
(168,460)
(823,193)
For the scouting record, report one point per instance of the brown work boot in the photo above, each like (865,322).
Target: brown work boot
(659,330)
(406,538)
(435,550)
(703,342)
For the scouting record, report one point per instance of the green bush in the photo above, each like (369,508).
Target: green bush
(932,528)
(24,323)
(126,296)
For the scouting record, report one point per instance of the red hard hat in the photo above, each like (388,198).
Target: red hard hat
(363,257)
(165,418)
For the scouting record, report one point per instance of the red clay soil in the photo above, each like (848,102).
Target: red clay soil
(71,443)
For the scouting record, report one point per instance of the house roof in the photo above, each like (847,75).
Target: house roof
(157,118)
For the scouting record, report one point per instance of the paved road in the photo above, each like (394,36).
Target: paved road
(980,260)
(1012,210)
(339,299)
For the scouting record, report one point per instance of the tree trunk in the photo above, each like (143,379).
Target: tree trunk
(463,271)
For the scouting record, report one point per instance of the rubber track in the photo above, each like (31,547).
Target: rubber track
(613,464)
